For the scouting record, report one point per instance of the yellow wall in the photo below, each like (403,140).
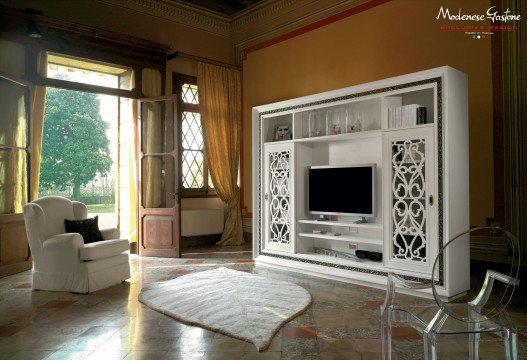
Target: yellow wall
(398,37)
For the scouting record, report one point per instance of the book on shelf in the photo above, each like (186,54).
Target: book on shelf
(406,115)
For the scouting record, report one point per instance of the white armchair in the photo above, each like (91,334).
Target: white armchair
(61,261)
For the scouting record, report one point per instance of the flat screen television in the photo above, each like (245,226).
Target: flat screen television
(347,190)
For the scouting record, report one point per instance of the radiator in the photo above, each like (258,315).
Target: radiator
(196,222)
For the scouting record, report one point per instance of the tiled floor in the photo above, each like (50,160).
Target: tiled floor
(342,323)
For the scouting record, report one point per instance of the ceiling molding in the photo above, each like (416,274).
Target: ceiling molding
(179,12)
(259,22)
(281,17)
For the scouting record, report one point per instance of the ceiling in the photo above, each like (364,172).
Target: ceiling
(225,7)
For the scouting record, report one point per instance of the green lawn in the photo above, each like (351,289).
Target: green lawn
(101,208)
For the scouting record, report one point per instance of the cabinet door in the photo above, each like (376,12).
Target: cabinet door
(278,195)
(408,198)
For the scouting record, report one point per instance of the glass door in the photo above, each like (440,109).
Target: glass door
(159,205)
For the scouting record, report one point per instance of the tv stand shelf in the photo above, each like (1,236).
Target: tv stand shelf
(347,238)
(342,224)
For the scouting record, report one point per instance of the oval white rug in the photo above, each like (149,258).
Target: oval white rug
(235,303)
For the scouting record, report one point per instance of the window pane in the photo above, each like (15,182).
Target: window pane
(192,169)
(13,180)
(189,93)
(13,131)
(88,72)
(156,131)
(191,131)
(158,181)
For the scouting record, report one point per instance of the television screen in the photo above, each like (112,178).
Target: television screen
(342,190)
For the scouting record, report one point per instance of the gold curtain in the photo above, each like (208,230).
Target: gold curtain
(220,105)
(152,126)
(13,130)
(38,107)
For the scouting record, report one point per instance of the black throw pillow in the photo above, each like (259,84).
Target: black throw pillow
(87,228)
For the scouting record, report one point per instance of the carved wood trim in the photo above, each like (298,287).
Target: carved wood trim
(179,12)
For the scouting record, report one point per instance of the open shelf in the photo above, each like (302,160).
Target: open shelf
(341,137)
(365,263)
(410,127)
(331,138)
(347,238)
(342,223)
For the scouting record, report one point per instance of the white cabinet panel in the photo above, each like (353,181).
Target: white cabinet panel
(278,194)
(409,192)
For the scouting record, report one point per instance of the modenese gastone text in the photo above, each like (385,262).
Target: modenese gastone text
(492,15)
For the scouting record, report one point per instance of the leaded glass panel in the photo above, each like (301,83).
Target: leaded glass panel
(189,93)
(191,131)
(192,169)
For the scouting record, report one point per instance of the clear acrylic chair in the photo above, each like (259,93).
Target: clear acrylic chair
(467,318)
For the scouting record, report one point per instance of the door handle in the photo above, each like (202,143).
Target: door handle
(266,196)
(175,195)
(431,200)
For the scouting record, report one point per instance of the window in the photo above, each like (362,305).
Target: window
(96,126)
(194,173)
(90,72)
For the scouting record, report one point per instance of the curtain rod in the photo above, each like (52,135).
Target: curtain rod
(180,54)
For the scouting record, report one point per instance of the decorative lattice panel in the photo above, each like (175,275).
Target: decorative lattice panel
(409,200)
(279,197)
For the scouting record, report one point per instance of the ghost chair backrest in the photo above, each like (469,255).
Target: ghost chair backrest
(492,287)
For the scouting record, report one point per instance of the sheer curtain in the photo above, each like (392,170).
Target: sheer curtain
(13,130)
(220,103)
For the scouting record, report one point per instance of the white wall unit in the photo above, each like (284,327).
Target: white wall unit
(413,128)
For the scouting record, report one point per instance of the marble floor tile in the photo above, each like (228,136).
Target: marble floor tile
(30,355)
(68,355)
(342,322)
(299,333)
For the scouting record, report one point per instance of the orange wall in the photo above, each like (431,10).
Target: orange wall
(395,38)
